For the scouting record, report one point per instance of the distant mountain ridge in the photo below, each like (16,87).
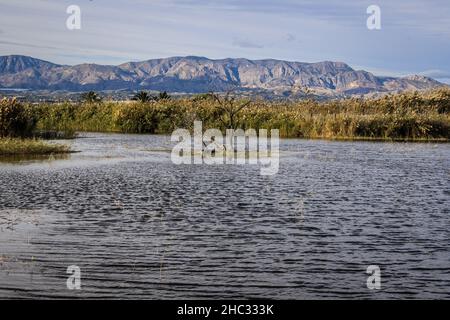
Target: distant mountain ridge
(193,74)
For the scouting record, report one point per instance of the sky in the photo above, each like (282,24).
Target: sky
(414,37)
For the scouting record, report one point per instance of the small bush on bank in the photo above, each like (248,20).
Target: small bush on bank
(15,119)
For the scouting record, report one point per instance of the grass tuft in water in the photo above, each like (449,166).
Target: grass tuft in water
(16,146)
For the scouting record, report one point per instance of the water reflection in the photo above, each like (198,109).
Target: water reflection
(23,159)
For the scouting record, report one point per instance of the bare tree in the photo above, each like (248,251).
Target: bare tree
(230,107)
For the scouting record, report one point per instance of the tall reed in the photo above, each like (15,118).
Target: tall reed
(407,116)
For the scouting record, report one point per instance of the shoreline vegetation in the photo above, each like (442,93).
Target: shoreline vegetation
(17,133)
(411,116)
(414,116)
(24,147)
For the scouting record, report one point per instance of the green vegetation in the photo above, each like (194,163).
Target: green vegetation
(143,96)
(17,146)
(18,122)
(407,116)
(91,97)
(163,96)
(15,119)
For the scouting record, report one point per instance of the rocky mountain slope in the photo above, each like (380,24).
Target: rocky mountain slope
(199,74)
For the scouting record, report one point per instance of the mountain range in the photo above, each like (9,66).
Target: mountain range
(198,74)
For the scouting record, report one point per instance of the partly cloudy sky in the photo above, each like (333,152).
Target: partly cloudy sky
(414,35)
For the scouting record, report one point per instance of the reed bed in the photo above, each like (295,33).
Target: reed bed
(411,116)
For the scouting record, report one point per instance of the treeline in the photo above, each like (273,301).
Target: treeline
(406,116)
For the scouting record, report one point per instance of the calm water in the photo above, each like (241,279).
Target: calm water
(140,227)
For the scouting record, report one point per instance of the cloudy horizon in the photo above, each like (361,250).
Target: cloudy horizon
(414,36)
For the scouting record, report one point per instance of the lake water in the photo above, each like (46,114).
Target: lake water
(139,226)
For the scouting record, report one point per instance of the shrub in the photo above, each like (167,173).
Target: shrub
(15,119)
(91,97)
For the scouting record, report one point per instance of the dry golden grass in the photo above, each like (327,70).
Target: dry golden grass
(408,116)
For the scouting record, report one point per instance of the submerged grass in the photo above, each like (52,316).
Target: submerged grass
(411,116)
(17,146)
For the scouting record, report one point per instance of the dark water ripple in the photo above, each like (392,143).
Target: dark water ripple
(140,227)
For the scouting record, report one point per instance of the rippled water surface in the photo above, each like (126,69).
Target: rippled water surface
(139,226)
